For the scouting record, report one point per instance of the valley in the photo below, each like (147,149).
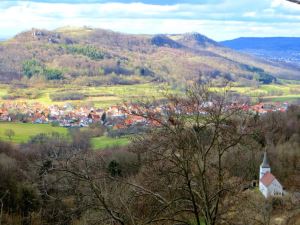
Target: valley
(147,112)
(95,70)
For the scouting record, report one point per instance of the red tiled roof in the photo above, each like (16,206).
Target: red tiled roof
(267,179)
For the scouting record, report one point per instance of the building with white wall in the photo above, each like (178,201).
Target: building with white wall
(268,184)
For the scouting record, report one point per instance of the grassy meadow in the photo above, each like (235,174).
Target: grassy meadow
(102,97)
(285,92)
(23,131)
(106,96)
(103,142)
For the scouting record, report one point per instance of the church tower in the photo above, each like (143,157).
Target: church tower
(264,167)
(268,184)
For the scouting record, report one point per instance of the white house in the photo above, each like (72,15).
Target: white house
(268,184)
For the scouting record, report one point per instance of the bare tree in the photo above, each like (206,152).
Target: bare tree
(294,1)
(183,176)
(253,209)
(189,150)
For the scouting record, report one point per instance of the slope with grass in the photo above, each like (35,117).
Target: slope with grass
(101,97)
(23,131)
(105,142)
(271,93)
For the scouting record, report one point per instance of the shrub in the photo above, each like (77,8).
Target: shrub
(32,67)
(266,78)
(15,94)
(55,124)
(53,74)
(277,202)
(67,96)
(10,97)
(89,51)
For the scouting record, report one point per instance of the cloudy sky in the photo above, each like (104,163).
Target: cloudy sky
(218,19)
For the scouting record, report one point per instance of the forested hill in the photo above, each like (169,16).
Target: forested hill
(88,56)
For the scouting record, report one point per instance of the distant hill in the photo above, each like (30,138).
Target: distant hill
(269,43)
(281,49)
(88,56)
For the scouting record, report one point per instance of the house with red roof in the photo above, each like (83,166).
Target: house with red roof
(268,184)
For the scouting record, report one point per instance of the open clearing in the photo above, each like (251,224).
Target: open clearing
(102,97)
(23,131)
(103,142)
(270,93)
(106,96)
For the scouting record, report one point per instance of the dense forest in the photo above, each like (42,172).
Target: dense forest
(193,169)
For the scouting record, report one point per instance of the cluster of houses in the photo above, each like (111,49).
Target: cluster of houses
(69,115)
(66,115)
(263,108)
(115,116)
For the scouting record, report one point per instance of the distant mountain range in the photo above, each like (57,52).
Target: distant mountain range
(94,57)
(280,49)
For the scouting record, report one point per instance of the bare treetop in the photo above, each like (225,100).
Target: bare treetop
(295,1)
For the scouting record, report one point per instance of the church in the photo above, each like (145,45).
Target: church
(268,184)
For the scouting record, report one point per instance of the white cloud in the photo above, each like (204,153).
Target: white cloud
(250,14)
(220,20)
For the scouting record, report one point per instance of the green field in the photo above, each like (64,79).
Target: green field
(102,97)
(106,96)
(270,93)
(107,142)
(23,131)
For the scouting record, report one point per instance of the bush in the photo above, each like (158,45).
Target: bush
(10,97)
(53,74)
(126,131)
(15,94)
(55,124)
(111,79)
(91,81)
(266,78)
(277,202)
(32,67)
(89,51)
(67,96)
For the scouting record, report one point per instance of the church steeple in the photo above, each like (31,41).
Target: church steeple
(265,166)
(265,163)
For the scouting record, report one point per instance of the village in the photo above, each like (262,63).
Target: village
(116,117)
(69,115)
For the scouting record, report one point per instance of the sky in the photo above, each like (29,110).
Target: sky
(217,19)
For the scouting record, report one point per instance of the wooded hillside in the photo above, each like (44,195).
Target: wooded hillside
(95,57)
